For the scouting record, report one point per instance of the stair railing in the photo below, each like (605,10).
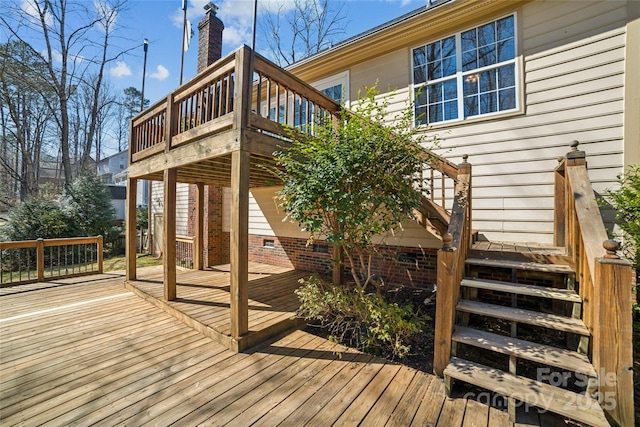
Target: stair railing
(450,264)
(605,284)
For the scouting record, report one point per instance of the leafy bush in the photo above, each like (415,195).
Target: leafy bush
(84,210)
(87,203)
(353,181)
(362,320)
(37,217)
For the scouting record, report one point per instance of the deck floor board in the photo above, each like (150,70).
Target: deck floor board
(87,360)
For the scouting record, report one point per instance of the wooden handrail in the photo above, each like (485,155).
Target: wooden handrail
(605,284)
(450,267)
(40,266)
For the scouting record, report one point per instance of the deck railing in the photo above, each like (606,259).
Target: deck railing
(184,251)
(213,102)
(605,284)
(39,260)
(451,261)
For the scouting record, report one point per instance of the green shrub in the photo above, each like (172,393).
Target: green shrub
(87,203)
(626,201)
(359,319)
(36,217)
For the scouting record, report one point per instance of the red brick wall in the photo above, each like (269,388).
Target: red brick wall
(216,243)
(409,266)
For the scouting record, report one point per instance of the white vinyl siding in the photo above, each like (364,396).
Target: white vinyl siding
(266,219)
(182,204)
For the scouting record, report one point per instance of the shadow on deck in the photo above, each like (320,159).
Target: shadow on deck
(203,301)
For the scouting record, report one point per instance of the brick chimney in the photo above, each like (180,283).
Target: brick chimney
(209,37)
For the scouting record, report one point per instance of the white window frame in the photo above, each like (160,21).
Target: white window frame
(334,80)
(459,75)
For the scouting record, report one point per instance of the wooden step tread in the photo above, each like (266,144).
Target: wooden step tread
(551,321)
(567,403)
(521,265)
(521,289)
(570,361)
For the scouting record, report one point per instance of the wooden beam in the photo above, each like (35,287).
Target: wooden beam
(239,256)
(198,243)
(130,221)
(207,148)
(169,234)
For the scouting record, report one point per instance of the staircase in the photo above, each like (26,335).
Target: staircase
(495,336)
(550,327)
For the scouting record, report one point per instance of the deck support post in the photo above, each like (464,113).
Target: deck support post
(131,228)
(239,249)
(198,243)
(445,308)
(612,338)
(169,234)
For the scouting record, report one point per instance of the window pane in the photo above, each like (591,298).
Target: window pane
(506,50)
(488,81)
(419,75)
(435,113)
(486,34)
(488,103)
(449,66)
(450,110)
(449,47)
(470,86)
(507,76)
(470,60)
(470,106)
(434,70)
(435,93)
(507,99)
(433,51)
(486,55)
(421,96)
(421,116)
(418,56)
(469,40)
(505,28)
(450,90)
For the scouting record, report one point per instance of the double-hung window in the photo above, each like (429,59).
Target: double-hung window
(469,74)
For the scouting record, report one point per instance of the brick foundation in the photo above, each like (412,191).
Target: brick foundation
(413,267)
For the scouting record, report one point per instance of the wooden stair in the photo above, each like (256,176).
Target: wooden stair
(480,334)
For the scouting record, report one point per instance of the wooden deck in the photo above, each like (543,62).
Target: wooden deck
(203,301)
(86,351)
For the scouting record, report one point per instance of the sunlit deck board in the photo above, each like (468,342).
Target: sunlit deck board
(124,361)
(203,300)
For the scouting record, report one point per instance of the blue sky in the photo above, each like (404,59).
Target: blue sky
(161,23)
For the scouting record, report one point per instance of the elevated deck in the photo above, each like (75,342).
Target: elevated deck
(219,129)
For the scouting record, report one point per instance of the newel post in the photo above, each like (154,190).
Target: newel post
(559,205)
(612,336)
(445,306)
(40,259)
(100,255)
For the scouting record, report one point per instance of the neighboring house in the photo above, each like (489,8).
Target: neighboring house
(118,200)
(51,170)
(112,171)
